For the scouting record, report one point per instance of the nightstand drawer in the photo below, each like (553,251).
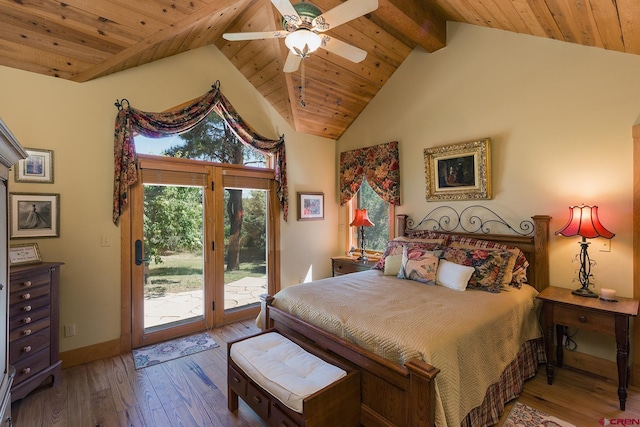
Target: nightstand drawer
(346,265)
(584,319)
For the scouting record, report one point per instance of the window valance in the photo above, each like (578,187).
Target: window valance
(154,125)
(379,164)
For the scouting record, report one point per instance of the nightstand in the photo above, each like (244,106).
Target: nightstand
(346,264)
(562,308)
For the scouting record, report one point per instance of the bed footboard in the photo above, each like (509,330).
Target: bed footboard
(391,394)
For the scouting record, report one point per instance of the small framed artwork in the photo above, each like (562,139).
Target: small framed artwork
(310,206)
(34,215)
(459,171)
(38,167)
(27,253)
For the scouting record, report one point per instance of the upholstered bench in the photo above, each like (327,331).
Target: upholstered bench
(288,385)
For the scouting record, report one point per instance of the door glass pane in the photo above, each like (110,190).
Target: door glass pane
(173,244)
(245,238)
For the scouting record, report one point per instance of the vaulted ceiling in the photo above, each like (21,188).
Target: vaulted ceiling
(81,40)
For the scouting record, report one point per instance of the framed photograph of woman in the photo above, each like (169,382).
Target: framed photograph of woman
(38,167)
(459,171)
(34,215)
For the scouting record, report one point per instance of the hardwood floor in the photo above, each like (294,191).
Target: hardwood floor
(191,391)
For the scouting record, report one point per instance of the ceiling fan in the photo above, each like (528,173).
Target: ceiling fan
(303,25)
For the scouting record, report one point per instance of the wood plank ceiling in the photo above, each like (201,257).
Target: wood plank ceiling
(81,40)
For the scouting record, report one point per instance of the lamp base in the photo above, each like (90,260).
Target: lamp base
(585,292)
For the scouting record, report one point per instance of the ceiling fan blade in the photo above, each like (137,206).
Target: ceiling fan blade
(292,63)
(287,10)
(255,36)
(350,9)
(347,51)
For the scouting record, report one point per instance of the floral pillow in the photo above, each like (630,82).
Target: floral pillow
(394,247)
(490,266)
(419,265)
(520,263)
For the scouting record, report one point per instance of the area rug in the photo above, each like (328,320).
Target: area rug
(158,353)
(522,415)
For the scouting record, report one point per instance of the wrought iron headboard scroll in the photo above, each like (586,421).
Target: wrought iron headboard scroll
(472,219)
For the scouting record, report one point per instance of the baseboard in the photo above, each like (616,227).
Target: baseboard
(592,364)
(91,353)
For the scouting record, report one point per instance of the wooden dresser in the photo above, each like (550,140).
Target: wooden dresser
(34,326)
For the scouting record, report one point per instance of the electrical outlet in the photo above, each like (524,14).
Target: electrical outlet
(69,330)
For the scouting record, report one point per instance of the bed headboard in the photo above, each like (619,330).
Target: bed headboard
(480,222)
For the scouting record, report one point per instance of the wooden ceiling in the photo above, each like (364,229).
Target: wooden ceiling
(81,40)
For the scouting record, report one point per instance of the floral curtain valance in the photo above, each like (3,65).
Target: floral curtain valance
(379,164)
(130,120)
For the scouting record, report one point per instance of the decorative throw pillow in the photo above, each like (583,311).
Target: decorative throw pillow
(490,266)
(507,280)
(519,275)
(392,265)
(419,265)
(394,247)
(453,276)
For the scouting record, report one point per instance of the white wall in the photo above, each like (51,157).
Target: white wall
(559,116)
(76,121)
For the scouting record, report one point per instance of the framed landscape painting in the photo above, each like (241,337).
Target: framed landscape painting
(459,171)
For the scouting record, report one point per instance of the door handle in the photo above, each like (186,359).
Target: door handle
(139,259)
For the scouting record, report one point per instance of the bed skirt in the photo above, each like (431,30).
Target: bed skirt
(509,386)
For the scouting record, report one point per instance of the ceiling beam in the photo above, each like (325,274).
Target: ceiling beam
(216,6)
(413,22)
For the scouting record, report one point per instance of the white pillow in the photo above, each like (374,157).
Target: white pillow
(392,265)
(453,276)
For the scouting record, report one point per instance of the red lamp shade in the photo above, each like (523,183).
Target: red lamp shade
(584,221)
(361,219)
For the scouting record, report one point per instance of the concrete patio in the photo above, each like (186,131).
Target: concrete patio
(184,305)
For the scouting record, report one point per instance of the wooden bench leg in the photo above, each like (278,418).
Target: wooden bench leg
(232,400)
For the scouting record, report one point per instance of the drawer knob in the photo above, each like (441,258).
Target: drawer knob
(26,320)
(26,370)
(257,399)
(339,267)
(26,284)
(26,332)
(26,308)
(582,318)
(27,349)
(235,379)
(26,296)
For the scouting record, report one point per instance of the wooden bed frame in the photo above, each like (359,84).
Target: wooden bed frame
(404,395)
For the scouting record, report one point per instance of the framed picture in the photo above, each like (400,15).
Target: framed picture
(310,206)
(34,215)
(38,167)
(24,254)
(459,171)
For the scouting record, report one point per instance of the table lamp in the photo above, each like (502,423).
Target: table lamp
(584,222)
(361,220)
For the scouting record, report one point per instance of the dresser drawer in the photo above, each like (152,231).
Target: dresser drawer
(27,330)
(280,418)
(29,294)
(582,318)
(29,345)
(349,266)
(30,366)
(237,382)
(25,319)
(258,401)
(22,282)
(28,306)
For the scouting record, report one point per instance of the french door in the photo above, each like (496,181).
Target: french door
(202,246)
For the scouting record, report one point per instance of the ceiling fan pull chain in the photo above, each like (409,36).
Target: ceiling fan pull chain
(302,100)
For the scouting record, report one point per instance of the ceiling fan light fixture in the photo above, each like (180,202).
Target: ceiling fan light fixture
(303,42)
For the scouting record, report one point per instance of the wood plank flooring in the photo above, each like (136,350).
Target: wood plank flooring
(191,391)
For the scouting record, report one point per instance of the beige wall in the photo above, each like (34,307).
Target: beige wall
(76,121)
(559,116)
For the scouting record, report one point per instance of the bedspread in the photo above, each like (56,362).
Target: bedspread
(470,336)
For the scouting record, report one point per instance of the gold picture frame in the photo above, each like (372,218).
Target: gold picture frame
(459,171)
(38,167)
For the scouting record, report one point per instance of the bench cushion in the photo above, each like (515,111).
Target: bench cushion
(283,368)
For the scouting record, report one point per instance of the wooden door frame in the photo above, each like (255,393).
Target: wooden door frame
(126,254)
